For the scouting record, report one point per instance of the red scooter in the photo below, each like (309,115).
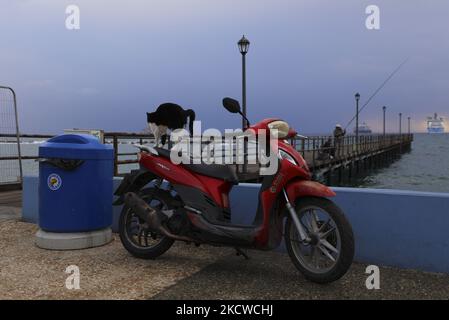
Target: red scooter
(190,202)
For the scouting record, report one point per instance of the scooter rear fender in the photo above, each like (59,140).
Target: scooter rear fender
(133,182)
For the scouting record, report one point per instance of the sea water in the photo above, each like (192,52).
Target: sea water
(425,168)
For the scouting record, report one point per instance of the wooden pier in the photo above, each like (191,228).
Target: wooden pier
(10,204)
(11,199)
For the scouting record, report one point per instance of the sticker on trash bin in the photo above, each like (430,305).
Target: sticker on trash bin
(54,182)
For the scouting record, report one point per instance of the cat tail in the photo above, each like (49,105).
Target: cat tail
(191,114)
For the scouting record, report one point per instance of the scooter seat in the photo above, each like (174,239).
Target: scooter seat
(223,172)
(163,152)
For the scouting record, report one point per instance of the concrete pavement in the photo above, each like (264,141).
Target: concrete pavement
(271,275)
(184,272)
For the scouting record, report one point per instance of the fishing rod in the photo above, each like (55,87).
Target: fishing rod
(379,88)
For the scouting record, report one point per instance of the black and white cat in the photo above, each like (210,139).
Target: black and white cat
(169,116)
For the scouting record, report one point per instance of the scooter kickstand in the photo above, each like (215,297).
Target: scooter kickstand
(240,252)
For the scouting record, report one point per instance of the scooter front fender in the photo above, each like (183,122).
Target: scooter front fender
(307,188)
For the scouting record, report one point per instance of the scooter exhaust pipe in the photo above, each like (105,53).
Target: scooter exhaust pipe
(151,216)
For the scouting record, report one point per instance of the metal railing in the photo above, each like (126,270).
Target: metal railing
(313,148)
(117,138)
(11,168)
(114,138)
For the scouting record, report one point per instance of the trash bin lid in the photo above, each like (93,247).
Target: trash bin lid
(75,146)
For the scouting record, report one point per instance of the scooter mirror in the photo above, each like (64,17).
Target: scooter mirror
(231,105)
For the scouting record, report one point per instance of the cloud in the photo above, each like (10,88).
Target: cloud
(307,59)
(39,84)
(87,91)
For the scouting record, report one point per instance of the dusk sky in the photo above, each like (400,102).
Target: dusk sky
(306,61)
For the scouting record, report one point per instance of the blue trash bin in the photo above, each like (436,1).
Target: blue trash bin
(75,184)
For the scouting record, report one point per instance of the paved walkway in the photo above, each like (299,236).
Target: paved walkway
(11,199)
(184,272)
(271,275)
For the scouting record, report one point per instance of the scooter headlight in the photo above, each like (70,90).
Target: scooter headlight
(282,128)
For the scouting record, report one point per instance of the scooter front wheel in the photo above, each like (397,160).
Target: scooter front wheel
(328,251)
(135,237)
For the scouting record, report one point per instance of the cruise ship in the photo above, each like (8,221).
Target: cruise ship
(363,129)
(435,124)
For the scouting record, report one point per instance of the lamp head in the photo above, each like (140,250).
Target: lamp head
(243,45)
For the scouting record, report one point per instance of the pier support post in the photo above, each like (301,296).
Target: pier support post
(115,144)
(340,174)
(350,171)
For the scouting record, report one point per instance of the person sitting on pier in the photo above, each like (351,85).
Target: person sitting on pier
(339,134)
(327,151)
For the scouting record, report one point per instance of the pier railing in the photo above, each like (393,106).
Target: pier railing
(117,139)
(318,151)
(321,151)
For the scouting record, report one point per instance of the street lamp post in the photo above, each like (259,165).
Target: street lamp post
(400,123)
(243,48)
(408,125)
(243,45)
(357,98)
(384,108)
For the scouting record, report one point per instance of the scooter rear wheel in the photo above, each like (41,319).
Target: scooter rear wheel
(329,252)
(138,240)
